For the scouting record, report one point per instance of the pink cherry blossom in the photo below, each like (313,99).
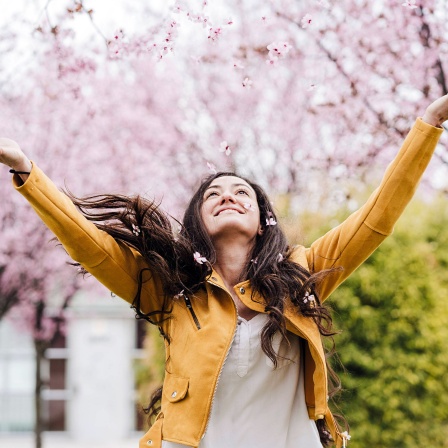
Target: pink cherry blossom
(249,206)
(277,50)
(247,83)
(136,230)
(176,8)
(306,20)
(410,4)
(309,298)
(198,258)
(214,33)
(280,258)
(205,21)
(224,147)
(119,35)
(116,46)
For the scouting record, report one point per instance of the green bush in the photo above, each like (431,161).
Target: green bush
(393,314)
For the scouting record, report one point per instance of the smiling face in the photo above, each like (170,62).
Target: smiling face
(230,208)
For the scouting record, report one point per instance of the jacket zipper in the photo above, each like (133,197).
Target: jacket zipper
(222,366)
(193,314)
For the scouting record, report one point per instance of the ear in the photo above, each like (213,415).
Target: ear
(260,230)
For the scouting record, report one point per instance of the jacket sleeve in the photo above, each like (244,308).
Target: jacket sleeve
(116,265)
(348,245)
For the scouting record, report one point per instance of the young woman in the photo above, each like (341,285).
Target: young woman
(241,312)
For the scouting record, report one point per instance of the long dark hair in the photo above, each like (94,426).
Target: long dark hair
(141,223)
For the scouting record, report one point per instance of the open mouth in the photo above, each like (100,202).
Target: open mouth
(228,211)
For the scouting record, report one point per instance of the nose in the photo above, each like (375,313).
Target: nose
(227,196)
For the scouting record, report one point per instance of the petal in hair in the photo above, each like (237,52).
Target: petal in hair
(199,259)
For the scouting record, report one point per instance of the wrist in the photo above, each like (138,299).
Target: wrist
(23,165)
(432,119)
(23,168)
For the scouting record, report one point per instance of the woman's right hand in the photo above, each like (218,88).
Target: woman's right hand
(437,112)
(13,156)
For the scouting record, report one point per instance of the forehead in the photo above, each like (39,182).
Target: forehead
(229,181)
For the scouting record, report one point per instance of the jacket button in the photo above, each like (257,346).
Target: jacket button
(174,394)
(242,290)
(149,442)
(214,278)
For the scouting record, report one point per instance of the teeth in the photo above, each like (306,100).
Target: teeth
(228,210)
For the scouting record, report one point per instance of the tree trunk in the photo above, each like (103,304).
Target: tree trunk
(39,348)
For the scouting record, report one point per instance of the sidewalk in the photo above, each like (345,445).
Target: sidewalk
(63,441)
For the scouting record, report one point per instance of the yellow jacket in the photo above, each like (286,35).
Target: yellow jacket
(202,332)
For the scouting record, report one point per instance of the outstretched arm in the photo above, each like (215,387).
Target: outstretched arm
(352,242)
(114,264)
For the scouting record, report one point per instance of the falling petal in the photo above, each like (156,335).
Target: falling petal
(212,168)
(224,147)
(247,83)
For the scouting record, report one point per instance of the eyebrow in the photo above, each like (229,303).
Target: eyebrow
(233,185)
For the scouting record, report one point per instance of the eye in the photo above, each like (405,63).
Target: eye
(243,192)
(210,194)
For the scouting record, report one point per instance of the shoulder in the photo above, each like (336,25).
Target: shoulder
(298,255)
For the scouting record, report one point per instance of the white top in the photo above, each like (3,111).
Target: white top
(255,405)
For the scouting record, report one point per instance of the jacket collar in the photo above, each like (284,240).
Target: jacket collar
(243,290)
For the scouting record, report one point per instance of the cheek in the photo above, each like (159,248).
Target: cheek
(205,214)
(254,219)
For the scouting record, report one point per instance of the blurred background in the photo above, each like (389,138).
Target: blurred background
(310,99)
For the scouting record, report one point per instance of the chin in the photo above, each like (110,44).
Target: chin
(232,232)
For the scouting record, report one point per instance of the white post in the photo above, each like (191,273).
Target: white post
(100,378)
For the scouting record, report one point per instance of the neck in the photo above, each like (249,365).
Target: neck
(231,257)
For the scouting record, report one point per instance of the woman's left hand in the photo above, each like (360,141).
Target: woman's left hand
(437,112)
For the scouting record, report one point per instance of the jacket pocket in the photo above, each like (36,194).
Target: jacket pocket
(175,388)
(153,437)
